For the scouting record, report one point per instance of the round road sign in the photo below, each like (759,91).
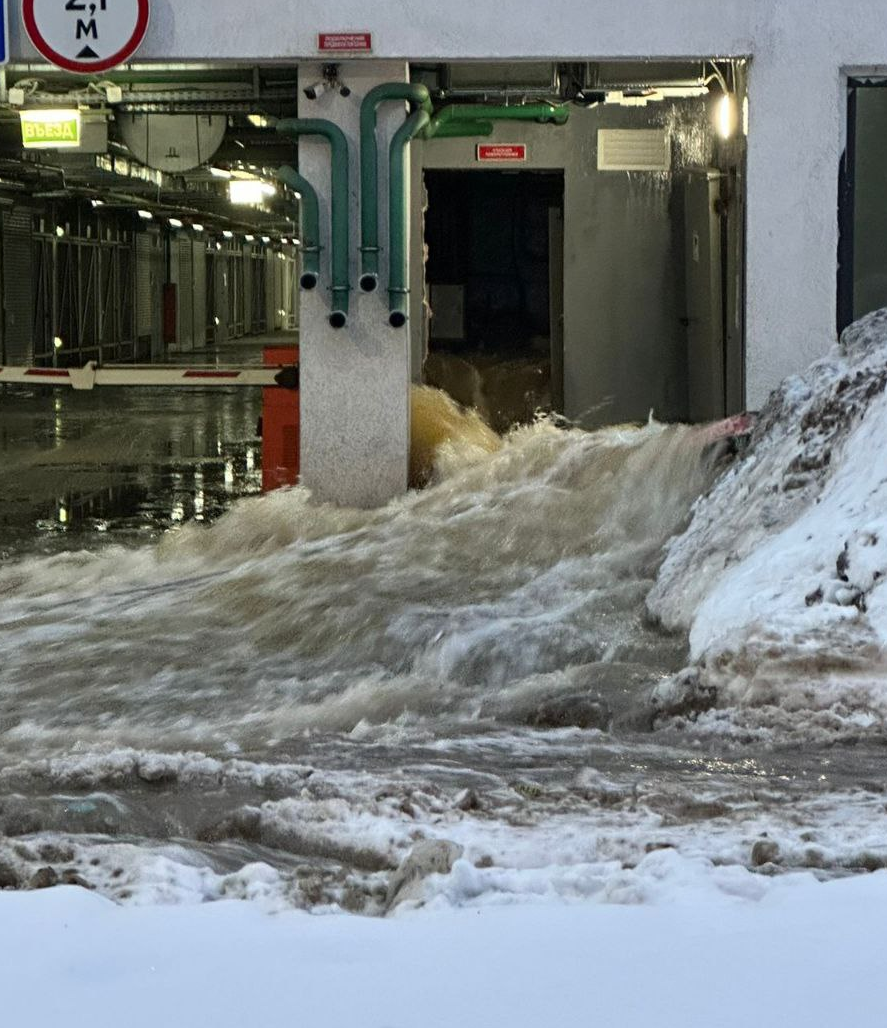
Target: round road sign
(86,36)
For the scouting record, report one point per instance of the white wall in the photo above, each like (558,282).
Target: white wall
(798,47)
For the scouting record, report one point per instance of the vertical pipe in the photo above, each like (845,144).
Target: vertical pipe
(310,228)
(369,170)
(399,218)
(341,237)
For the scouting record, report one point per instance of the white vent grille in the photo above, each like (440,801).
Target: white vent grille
(633,150)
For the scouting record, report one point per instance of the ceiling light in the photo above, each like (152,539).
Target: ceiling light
(266,239)
(196,227)
(249,239)
(249,191)
(726,116)
(97,203)
(228,234)
(145,215)
(258,120)
(175,223)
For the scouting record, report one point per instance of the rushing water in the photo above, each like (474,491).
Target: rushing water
(281,702)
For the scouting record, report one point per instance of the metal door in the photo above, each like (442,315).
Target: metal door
(706,364)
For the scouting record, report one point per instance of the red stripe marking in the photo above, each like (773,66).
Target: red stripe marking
(212,374)
(47,373)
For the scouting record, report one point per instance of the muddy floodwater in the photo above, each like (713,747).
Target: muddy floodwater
(205,693)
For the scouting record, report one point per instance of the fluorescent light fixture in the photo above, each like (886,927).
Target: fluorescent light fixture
(175,223)
(146,215)
(55,129)
(726,116)
(196,227)
(227,234)
(249,191)
(220,173)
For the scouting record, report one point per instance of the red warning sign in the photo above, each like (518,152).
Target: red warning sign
(345,42)
(508,153)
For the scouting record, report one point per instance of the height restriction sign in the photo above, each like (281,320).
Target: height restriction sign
(86,36)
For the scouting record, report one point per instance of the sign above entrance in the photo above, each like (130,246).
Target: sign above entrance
(50,130)
(503,153)
(86,36)
(345,42)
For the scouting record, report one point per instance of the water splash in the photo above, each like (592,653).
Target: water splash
(289,614)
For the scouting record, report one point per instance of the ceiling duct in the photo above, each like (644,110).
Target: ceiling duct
(645,74)
(173,142)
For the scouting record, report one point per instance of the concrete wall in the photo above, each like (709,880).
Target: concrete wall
(625,346)
(800,49)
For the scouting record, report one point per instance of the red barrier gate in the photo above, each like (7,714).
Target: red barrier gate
(280,425)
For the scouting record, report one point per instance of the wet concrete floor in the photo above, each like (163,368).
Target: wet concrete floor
(80,469)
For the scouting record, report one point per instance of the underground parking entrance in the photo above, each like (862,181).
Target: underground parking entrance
(592,267)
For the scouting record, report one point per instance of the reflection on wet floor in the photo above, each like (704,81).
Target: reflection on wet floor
(126,464)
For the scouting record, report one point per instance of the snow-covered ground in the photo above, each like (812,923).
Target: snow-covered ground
(796,953)
(563,781)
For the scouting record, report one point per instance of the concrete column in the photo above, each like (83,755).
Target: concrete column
(355,380)
(794,146)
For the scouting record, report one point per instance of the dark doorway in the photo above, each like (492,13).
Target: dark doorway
(862,207)
(494,277)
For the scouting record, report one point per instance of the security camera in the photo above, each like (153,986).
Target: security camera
(312,91)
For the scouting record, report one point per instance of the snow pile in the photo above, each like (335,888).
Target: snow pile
(801,954)
(779,576)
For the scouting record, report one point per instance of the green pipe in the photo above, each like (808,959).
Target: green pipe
(399,218)
(404,92)
(542,112)
(310,231)
(339,230)
(455,129)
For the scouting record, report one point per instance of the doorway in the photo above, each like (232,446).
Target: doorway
(495,288)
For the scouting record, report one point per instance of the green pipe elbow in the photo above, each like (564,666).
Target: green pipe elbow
(419,97)
(399,218)
(310,230)
(339,229)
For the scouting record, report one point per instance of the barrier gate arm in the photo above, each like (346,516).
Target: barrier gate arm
(91,375)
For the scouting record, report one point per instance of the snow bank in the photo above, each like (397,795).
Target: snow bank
(779,577)
(802,954)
